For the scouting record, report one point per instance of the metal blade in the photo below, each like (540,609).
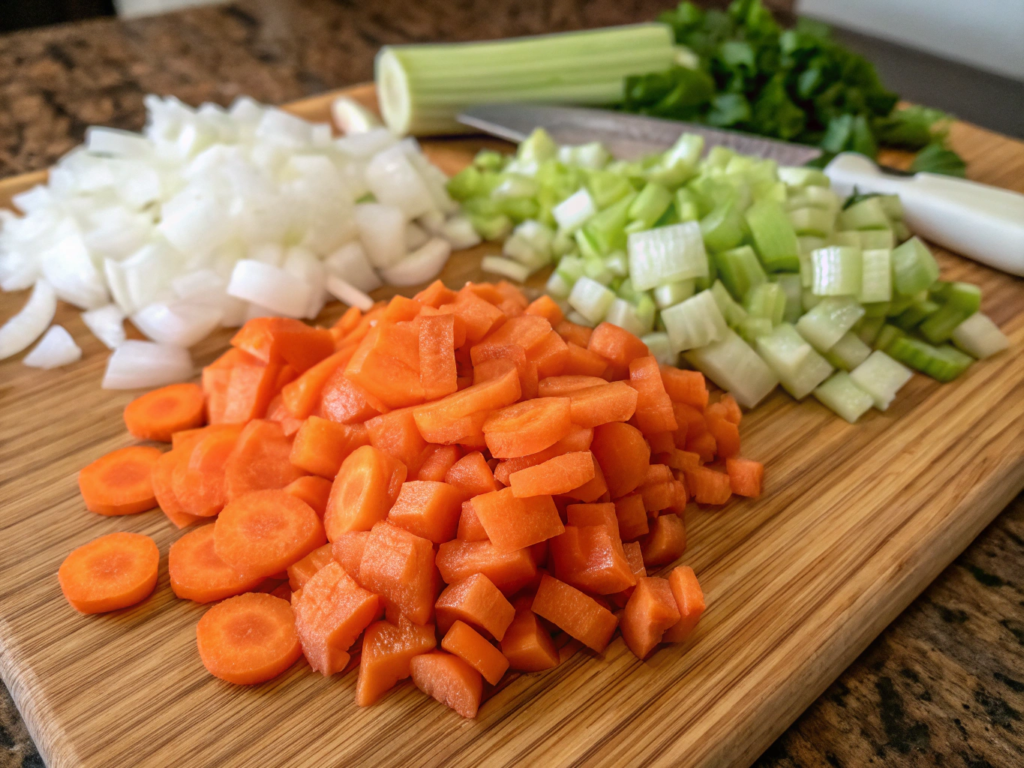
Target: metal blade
(627,137)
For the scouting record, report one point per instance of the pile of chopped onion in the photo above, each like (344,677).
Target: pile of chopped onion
(211,217)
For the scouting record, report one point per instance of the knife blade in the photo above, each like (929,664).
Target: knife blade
(627,137)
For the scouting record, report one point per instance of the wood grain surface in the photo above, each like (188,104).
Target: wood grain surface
(855,522)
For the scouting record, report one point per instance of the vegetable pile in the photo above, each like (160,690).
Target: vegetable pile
(212,217)
(758,275)
(471,466)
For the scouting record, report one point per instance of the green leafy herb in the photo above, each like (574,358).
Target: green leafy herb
(936,158)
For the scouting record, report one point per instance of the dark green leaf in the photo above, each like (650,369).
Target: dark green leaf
(935,158)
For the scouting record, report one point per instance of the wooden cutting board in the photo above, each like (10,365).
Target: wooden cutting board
(854,523)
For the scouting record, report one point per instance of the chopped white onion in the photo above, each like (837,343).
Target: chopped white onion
(146,364)
(382,232)
(348,293)
(420,266)
(106,324)
(28,325)
(459,231)
(499,265)
(179,325)
(55,349)
(394,181)
(351,264)
(415,236)
(270,287)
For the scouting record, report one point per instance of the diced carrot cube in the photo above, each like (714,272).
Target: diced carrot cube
(704,446)
(689,601)
(249,392)
(651,610)
(471,476)
(557,475)
(451,418)
(732,409)
(745,476)
(437,356)
(575,613)
(283,340)
(665,542)
(551,355)
(602,404)
(367,485)
(399,566)
(617,346)
(302,571)
(386,365)
(321,446)
(685,386)
(470,646)
(632,516)
(348,550)
(708,486)
(578,439)
(653,407)
(591,558)
(449,680)
(581,361)
(401,309)
(527,644)
(562,386)
(509,571)
(475,600)
(592,490)
(436,294)
(525,331)
(470,528)
(547,308)
(436,460)
(259,461)
(594,514)
(387,654)
(658,496)
(512,523)
(479,316)
(574,333)
(313,490)
(623,455)
(427,508)
(527,427)
(395,433)
(303,394)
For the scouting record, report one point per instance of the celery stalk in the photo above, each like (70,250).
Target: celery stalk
(791,288)
(836,271)
(736,368)
(695,322)
(942,363)
(961,300)
(774,237)
(876,276)
(722,229)
(667,294)
(979,337)
(887,335)
(740,270)
(766,300)
(813,222)
(660,348)
(842,395)
(649,205)
(733,313)
(914,267)
(824,325)
(881,377)
(591,299)
(848,352)
(867,214)
(667,254)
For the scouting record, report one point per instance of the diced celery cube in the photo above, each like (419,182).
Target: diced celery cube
(736,368)
(867,214)
(914,267)
(844,397)
(836,271)
(694,322)
(666,254)
(848,352)
(881,377)
(826,323)
(979,337)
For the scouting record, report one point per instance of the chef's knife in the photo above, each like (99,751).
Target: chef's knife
(982,222)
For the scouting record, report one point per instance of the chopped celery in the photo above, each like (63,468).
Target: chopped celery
(590,299)
(848,352)
(586,245)
(892,206)
(617,263)
(752,328)
(590,155)
(887,334)
(499,265)
(667,294)
(824,325)
(530,245)
(649,205)
(809,300)
(694,322)
(802,176)
(736,368)
(538,147)
(867,214)
(733,313)
(914,267)
(575,317)
(574,211)
(876,276)
(606,229)
(624,315)
(491,227)
(822,197)
(813,222)
(915,314)
(740,270)
(557,286)
(646,311)
(842,395)
(791,288)
(979,337)
(784,350)
(660,348)
(562,244)
(719,157)
(686,151)
(876,239)
(900,231)
(877,309)
(881,377)
(489,160)
(595,268)
(666,254)
(836,271)
(723,227)
(766,300)
(571,268)
(514,185)
(519,208)
(845,239)
(868,327)
(773,236)
(942,363)
(467,183)
(808,243)
(961,300)
(607,188)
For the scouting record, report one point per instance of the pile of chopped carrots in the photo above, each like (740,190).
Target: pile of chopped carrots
(463,465)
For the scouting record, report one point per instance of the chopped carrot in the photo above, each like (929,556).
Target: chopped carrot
(321,446)
(593,490)
(348,550)
(401,308)
(479,316)
(578,439)
(603,404)
(594,514)
(512,523)
(332,612)
(592,558)
(487,365)
(313,490)
(689,600)
(574,333)
(704,446)
(562,386)
(348,321)
(550,356)
(679,460)
(651,610)
(248,639)
(725,432)
(527,644)
(511,293)
(345,402)
(470,646)
(475,600)
(653,407)
(264,532)
(159,414)
(163,486)
(215,382)
(427,508)
(509,571)
(665,542)
(661,442)
(732,408)
(435,294)
(120,483)
(199,483)
(617,346)
(399,566)
(387,653)
(527,427)
(581,361)
(250,390)
(278,411)
(489,292)
(303,394)
(199,575)
(453,417)
(449,680)
(708,486)
(687,387)
(260,460)
(471,475)
(437,355)
(745,476)
(386,364)
(547,308)
(109,573)
(560,474)
(367,485)
(632,516)
(575,613)
(436,460)
(526,332)
(283,340)
(658,496)
(470,527)
(303,570)
(395,433)
(623,455)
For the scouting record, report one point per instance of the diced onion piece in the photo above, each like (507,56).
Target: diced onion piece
(20,331)
(979,337)
(177,325)
(394,181)
(458,230)
(55,349)
(270,287)
(842,395)
(382,233)
(303,264)
(106,324)
(736,368)
(415,236)
(591,299)
(352,117)
(573,212)
(145,364)
(69,268)
(509,268)
(348,293)
(666,255)
(351,264)
(116,143)
(421,265)
(881,377)
(695,322)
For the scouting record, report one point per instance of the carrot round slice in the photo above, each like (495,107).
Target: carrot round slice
(159,414)
(120,483)
(366,487)
(623,454)
(111,572)
(198,574)
(264,532)
(248,639)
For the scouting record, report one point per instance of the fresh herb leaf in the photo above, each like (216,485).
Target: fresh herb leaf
(936,158)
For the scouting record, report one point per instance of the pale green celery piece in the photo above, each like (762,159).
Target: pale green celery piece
(670,175)
(868,327)
(877,309)
(844,397)
(733,313)
(591,299)
(800,176)
(913,267)
(823,197)
(575,317)
(836,271)
(740,163)
(686,211)
(791,287)
(646,311)
(606,229)
(784,350)
(848,352)
(558,286)
(519,249)
(573,212)
(740,270)
(773,237)
(660,348)
(514,185)
(887,334)
(617,263)
(623,314)
(519,208)
(635,226)
(625,290)
(489,160)
(901,231)
(687,149)
(667,294)
(561,244)
(943,363)
(961,301)
(722,229)
(591,155)
(694,322)
(979,337)
(845,239)
(876,239)
(499,265)
(538,147)
(915,314)
(607,188)
(815,222)
(571,268)
(649,205)
(826,323)
(881,377)
(719,157)
(491,227)
(867,214)
(809,300)
(586,245)
(796,199)
(892,206)
(806,270)
(597,270)
(736,368)
(752,328)
(771,191)
(467,183)
(666,254)
(814,370)
(876,278)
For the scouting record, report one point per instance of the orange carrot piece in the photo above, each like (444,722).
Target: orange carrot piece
(581,361)
(575,613)
(654,407)
(558,475)
(547,308)
(427,508)
(725,432)
(489,292)
(470,528)
(120,483)
(159,414)
(592,558)
(248,639)
(437,356)
(511,293)
(594,514)
(733,412)
(215,383)
(593,490)
(578,439)
(527,427)
(387,653)
(512,523)
(436,294)
(619,347)
(479,316)
(367,485)
(303,570)
(689,600)
(563,386)
(250,389)
(386,365)
(399,567)
(665,542)
(471,475)
(454,417)
(331,613)
(264,532)
(303,394)
(632,516)
(509,571)
(573,333)
(345,402)
(395,434)
(658,496)
(163,486)
(486,366)
(313,490)
(199,575)
(551,355)
(109,573)
(470,646)
(283,340)
(348,550)
(449,680)
(278,411)
(623,455)
(400,309)
(679,460)
(348,321)
(651,611)
(745,476)
(199,483)
(708,486)
(603,404)
(704,446)
(526,331)
(475,600)
(527,644)
(661,442)
(436,460)
(321,446)
(260,460)
(687,387)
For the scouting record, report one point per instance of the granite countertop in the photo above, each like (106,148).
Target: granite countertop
(943,685)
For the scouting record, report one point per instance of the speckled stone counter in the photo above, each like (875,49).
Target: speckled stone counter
(943,685)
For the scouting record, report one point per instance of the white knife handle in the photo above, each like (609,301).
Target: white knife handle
(979,221)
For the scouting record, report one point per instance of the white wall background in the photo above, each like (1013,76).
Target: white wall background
(988,34)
